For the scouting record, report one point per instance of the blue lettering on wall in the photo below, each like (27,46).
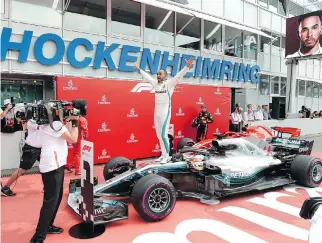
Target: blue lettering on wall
(203,67)
(71,52)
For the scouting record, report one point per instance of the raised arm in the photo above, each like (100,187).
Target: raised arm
(146,77)
(172,82)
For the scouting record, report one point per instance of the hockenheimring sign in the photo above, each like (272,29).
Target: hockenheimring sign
(204,67)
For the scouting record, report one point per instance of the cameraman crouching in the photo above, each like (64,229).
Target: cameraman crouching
(52,161)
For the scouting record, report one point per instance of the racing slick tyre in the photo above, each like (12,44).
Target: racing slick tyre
(116,166)
(185,142)
(307,170)
(153,197)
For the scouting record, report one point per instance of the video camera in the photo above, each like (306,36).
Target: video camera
(48,111)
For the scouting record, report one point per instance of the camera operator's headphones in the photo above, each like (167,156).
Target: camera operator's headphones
(54,113)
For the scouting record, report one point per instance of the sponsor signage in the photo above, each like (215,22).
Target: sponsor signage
(203,67)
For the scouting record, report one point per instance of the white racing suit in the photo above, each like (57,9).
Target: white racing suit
(162,109)
(315,235)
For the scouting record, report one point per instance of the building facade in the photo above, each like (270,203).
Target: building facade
(246,33)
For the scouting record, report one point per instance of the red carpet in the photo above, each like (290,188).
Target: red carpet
(247,216)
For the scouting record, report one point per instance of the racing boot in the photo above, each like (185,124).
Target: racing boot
(159,159)
(165,159)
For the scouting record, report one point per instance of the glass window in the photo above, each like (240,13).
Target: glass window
(250,46)
(263,3)
(292,9)
(91,15)
(283,46)
(2,6)
(320,91)
(233,42)
(38,11)
(276,45)
(301,88)
(309,89)
(126,17)
(282,7)
(275,85)
(213,36)
(273,5)
(188,32)
(265,44)
(159,26)
(264,85)
(195,4)
(283,86)
(316,90)
(21,90)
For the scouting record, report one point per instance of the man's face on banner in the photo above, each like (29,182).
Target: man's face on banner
(310,30)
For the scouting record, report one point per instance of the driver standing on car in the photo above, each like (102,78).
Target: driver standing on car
(162,111)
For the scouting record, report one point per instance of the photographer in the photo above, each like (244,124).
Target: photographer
(30,154)
(53,158)
(9,123)
(7,107)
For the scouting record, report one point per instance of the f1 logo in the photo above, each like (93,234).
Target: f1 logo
(87,148)
(143,87)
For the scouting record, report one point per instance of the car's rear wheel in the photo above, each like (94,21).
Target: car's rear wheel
(154,198)
(116,166)
(307,170)
(185,142)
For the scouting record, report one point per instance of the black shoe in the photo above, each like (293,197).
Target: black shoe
(54,230)
(32,241)
(5,191)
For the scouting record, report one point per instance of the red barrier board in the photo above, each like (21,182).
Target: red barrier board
(120,113)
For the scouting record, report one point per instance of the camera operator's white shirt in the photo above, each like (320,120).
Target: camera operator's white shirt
(54,150)
(34,137)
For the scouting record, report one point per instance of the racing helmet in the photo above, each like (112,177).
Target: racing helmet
(196,162)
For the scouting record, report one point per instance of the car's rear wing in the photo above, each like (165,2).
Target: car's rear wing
(298,145)
(288,131)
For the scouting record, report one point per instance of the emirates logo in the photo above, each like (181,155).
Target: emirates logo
(104,155)
(132,139)
(104,128)
(200,101)
(179,113)
(104,101)
(70,86)
(132,113)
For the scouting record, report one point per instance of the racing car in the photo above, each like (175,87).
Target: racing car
(259,131)
(228,167)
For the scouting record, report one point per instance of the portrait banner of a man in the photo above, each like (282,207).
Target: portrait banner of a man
(303,35)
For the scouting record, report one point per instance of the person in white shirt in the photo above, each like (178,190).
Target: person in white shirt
(53,159)
(30,154)
(259,114)
(248,115)
(164,89)
(235,119)
(8,106)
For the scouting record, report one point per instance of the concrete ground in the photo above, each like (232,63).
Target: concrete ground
(261,217)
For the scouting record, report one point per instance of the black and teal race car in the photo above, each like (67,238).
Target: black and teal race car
(229,166)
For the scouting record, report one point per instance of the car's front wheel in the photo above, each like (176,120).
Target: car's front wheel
(153,197)
(307,170)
